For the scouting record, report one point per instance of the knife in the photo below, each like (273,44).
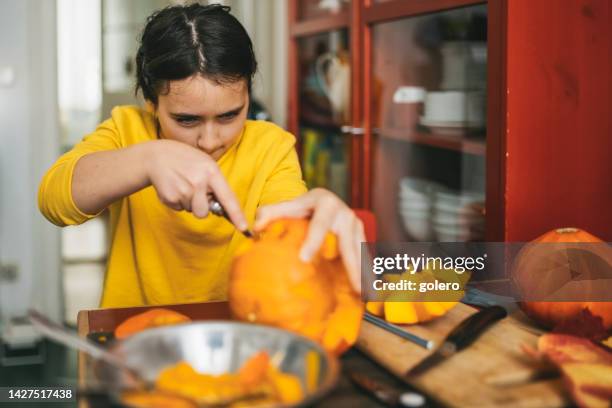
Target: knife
(460,337)
(387,394)
(216,208)
(398,331)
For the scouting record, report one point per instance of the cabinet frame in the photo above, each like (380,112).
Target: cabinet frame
(360,20)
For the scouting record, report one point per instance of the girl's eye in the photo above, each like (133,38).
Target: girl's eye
(186,121)
(228,117)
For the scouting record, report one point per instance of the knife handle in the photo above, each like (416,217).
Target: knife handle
(468,330)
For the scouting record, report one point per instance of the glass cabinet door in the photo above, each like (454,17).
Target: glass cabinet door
(312,9)
(324,101)
(428,114)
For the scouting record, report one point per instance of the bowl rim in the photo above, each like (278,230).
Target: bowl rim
(329,381)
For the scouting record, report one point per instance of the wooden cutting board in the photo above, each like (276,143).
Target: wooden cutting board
(492,372)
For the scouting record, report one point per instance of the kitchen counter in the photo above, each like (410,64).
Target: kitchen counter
(345,394)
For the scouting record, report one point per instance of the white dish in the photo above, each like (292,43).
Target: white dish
(415,185)
(455,106)
(450,219)
(411,195)
(456,200)
(413,208)
(420,229)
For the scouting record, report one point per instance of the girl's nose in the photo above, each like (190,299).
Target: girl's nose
(208,139)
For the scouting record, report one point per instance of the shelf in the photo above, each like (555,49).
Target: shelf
(463,144)
(320,25)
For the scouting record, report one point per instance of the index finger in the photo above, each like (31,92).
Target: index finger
(227,198)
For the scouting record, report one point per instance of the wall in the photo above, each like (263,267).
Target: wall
(267,23)
(559,131)
(28,145)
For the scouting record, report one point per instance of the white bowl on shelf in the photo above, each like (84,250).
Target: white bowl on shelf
(415,200)
(418,225)
(417,187)
(455,108)
(414,205)
(454,200)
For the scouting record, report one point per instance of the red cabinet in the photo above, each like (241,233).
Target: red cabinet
(457,120)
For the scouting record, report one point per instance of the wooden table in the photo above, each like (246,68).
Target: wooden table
(466,377)
(344,395)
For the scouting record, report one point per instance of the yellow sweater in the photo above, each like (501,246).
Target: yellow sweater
(161,256)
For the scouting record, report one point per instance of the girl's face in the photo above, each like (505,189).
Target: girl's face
(204,114)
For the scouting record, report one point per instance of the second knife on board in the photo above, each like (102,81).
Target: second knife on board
(460,337)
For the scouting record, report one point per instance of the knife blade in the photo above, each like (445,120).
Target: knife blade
(461,337)
(387,394)
(398,331)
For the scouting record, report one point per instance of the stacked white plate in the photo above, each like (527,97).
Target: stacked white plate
(431,212)
(458,216)
(415,206)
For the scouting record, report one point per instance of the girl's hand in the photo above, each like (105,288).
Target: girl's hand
(184,176)
(327,212)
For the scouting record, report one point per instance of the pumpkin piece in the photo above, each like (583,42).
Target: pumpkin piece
(411,307)
(340,331)
(339,334)
(401,312)
(257,383)
(147,320)
(287,386)
(563,348)
(269,284)
(545,263)
(376,308)
(253,371)
(182,379)
(586,367)
(434,309)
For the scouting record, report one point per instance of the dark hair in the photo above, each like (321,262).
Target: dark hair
(180,41)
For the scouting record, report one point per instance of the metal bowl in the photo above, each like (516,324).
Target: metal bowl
(216,347)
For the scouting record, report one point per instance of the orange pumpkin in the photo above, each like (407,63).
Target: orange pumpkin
(269,284)
(538,261)
(149,319)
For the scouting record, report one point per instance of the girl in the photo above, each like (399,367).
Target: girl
(156,168)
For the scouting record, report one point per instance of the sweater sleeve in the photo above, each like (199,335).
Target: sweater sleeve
(55,191)
(285,181)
